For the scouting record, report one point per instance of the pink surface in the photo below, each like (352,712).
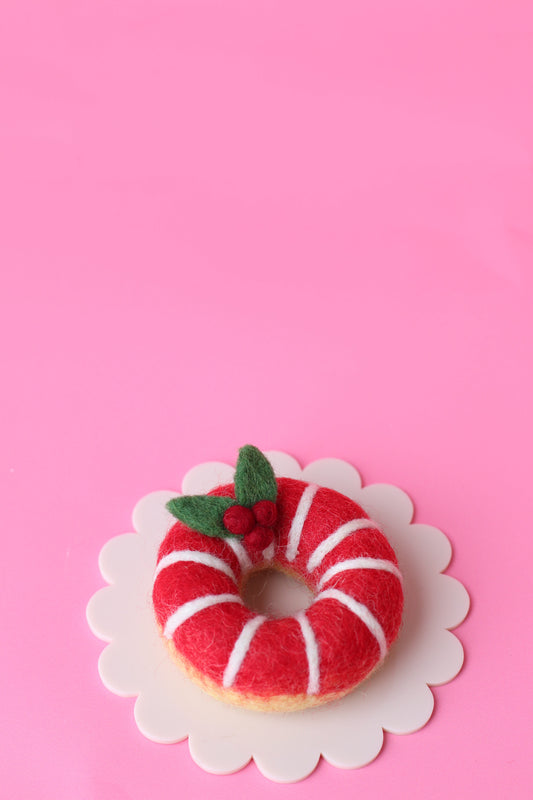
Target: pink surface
(296,224)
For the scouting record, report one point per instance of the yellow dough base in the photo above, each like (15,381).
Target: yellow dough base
(281,702)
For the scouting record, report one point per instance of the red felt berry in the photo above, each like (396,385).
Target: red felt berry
(265,512)
(259,538)
(239,520)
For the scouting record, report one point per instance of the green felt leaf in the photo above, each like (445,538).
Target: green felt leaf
(254,477)
(202,513)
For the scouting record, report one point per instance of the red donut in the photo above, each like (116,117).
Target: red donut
(320,537)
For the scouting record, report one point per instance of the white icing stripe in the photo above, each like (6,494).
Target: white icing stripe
(360,563)
(298,520)
(335,538)
(311,651)
(268,552)
(240,648)
(199,558)
(188,610)
(240,552)
(360,611)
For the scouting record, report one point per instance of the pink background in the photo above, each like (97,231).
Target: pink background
(298,224)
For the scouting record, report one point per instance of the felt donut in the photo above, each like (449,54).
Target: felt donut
(314,534)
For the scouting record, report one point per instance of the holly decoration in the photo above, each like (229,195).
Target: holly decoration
(251,515)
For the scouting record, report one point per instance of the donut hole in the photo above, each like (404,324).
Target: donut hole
(275,594)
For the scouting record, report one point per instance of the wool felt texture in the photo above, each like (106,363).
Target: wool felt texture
(239,520)
(259,538)
(265,512)
(254,477)
(320,537)
(202,513)
(248,513)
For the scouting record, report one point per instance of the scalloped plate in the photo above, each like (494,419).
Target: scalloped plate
(285,747)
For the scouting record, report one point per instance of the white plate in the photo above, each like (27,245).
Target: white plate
(285,746)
